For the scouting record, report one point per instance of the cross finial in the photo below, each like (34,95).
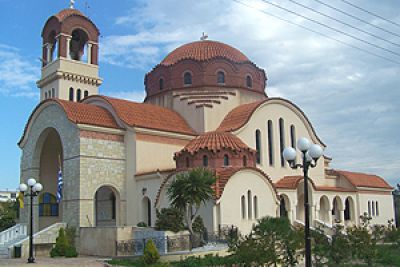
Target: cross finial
(204,36)
(71,4)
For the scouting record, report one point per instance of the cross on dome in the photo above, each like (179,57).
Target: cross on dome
(204,36)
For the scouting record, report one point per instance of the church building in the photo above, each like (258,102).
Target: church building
(206,105)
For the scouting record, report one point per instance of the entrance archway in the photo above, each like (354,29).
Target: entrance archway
(349,211)
(50,156)
(337,207)
(324,209)
(106,206)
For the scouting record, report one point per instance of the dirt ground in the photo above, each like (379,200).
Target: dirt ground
(63,262)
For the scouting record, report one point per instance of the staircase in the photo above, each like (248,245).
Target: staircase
(11,236)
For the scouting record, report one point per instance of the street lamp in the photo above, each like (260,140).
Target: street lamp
(310,154)
(35,189)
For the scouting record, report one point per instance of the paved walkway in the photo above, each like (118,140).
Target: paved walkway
(50,262)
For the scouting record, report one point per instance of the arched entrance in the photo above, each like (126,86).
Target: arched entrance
(146,211)
(324,209)
(106,206)
(337,207)
(349,212)
(49,153)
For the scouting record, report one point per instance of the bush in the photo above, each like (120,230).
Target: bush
(150,253)
(71,252)
(141,224)
(61,244)
(198,225)
(169,219)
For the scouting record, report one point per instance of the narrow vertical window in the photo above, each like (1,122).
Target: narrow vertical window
(249,208)
(270,143)
(113,208)
(255,206)
(78,95)
(369,208)
(187,162)
(86,94)
(244,161)
(45,95)
(220,77)
(187,78)
(53,92)
(71,94)
(373,208)
(282,139)
(249,81)
(205,161)
(226,160)
(243,202)
(293,136)
(376,208)
(258,146)
(161,84)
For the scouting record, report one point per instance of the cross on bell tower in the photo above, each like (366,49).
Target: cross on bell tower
(70,68)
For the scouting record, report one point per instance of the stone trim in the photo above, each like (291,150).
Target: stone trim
(93,157)
(101,136)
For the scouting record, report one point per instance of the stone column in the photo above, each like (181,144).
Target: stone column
(48,51)
(67,48)
(341,216)
(89,51)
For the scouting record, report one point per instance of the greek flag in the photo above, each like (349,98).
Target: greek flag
(59,186)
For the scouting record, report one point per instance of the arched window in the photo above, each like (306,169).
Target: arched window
(205,161)
(45,95)
(243,202)
(187,78)
(293,136)
(71,94)
(226,160)
(347,210)
(78,95)
(113,207)
(77,45)
(86,94)
(373,208)
(282,139)
(161,83)
(53,92)
(249,208)
(221,77)
(244,161)
(376,208)
(255,206)
(249,81)
(48,205)
(270,143)
(369,208)
(258,146)
(187,162)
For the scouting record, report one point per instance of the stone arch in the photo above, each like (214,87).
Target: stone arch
(106,206)
(48,159)
(324,209)
(337,208)
(146,211)
(349,210)
(284,207)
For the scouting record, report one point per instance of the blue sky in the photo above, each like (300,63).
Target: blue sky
(351,97)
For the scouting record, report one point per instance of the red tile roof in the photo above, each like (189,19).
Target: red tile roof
(65,13)
(215,141)
(147,116)
(364,180)
(203,51)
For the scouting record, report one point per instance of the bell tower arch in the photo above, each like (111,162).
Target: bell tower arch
(70,68)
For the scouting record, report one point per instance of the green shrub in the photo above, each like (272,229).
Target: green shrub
(141,224)
(71,252)
(61,244)
(70,235)
(150,253)
(169,219)
(198,225)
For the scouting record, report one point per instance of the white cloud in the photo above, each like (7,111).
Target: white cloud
(351,97)
(17,74)
(129,95)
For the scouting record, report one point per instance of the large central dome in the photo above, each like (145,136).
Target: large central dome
(204,51)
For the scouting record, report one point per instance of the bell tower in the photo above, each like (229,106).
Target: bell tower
(70,68)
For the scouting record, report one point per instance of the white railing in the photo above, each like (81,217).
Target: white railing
(13,233)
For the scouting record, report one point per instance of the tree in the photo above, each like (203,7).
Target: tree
(189,191)
(169,219)
(8,215)
(150,253)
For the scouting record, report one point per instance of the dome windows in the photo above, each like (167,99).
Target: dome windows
(161,84)
(187,78)
(78,95)
(249,81)
(220,77)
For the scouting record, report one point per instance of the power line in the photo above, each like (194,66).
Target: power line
(371,13)
(331,28)
(357,18)
(319,33)
(343,23)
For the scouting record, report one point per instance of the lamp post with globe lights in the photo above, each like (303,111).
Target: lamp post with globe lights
(310,154)
(31,190)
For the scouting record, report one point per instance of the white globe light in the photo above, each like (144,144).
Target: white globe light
(23,187)
(308,157)
(289,154)
(315,151)
(31,182)
(38,187)
(303,144)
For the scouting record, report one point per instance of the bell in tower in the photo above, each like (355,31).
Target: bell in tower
(70,57)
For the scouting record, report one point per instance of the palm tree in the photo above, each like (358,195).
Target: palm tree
(189,191)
